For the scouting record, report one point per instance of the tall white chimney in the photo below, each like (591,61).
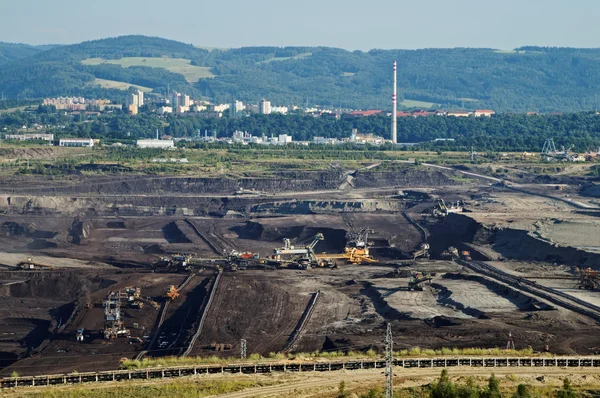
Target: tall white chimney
(394,115)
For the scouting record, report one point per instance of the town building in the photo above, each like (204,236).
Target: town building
(29,137)
(484,113)
(76,142)
(264,107)
(371,112)
(236,108)
(160,144)
(458,113)
(280,109)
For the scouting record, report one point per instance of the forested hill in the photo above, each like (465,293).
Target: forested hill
(526,79)
(11,51)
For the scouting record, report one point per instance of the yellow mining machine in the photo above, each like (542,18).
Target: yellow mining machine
(589,279)
(172,293)
(356,250)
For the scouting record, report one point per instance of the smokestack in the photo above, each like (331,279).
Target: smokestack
(394,115)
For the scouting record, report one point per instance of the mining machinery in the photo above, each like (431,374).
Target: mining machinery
(302,257)
(133,297)
(241,260)
(417,279)
(113,321)
(450,254)
(441,209)
(29,264)
(589,279)
(357,249)
(422,252)
(172,293)
(179,262)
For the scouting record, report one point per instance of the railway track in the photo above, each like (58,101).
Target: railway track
(554,296)
(320,366)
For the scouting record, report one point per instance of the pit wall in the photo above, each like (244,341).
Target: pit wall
(510,243)
(184,206)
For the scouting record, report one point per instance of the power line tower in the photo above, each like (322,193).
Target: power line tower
(243,349)
(510,344)
(389,361)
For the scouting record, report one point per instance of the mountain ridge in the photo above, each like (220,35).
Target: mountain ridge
(529,78)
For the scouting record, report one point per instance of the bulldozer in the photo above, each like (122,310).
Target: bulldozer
(422,252)
(172,293)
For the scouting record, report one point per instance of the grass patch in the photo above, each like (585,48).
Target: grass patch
(180,388)
(408,103)
(278,59)
(415,352)
(182,66)
(116,84)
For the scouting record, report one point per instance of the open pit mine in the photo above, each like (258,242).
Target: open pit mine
(96,269)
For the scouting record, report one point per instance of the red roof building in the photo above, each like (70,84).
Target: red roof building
(484,112)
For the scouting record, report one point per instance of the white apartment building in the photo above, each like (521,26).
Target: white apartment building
(76,142)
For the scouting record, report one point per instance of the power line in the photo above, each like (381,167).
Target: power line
(389,359)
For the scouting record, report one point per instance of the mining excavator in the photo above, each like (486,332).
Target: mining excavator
(30,264)
(357,249)
(302,257)
(589,279)
(172,293)
(422,252)
(441,209)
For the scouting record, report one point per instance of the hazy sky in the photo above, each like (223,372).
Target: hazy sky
(351,24)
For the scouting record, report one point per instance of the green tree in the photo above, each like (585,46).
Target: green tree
(469,390)
(342,390)
(566,391)
(522,392)
(373,393)
(493,388)
(443,388)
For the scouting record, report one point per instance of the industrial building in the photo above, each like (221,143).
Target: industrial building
(161,144)
(29,137)
(76,142)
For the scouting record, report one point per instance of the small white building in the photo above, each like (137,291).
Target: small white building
(161,144)
(285,139)
(76,142)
